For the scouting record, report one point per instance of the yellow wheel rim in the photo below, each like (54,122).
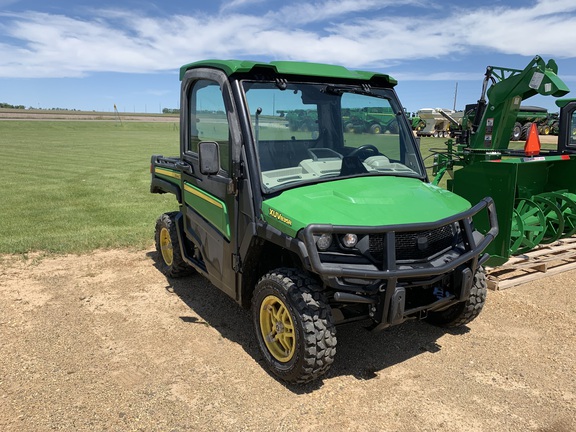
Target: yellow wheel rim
(166,246)
(277,329)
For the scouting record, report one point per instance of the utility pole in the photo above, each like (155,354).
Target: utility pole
(117,115)
(455,95)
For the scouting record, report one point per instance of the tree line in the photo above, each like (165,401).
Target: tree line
(171,111)
(6,105)
(10,106)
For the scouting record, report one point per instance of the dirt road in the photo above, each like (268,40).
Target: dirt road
(105,342)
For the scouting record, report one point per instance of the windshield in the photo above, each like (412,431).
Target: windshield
(311,132)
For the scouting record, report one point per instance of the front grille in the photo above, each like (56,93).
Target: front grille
(417,245)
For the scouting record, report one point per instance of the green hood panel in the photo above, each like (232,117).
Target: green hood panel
(366,201)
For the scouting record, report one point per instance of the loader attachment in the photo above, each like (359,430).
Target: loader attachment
(493,125)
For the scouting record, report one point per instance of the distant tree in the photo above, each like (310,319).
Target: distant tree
(7,105)
(170,111)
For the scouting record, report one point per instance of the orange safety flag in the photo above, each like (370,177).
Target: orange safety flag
(532,146)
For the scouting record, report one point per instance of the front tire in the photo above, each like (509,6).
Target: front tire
(168,247)
(293,325)
(375,129)
(462,313)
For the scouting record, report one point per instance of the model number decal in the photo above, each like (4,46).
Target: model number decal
(280,217)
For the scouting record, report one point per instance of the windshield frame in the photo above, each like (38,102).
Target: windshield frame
(330,136)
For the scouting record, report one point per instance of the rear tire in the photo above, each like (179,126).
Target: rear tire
(294,326)
(525,130)
(393,127)
(516,131)
(168,247)
(464,312)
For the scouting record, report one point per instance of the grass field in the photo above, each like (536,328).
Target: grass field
(74,186)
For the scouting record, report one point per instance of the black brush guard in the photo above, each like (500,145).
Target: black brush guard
(388,303)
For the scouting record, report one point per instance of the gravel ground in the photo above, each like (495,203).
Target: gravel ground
(104,342)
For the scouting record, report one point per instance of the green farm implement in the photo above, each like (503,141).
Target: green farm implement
(533,189)
(373,120)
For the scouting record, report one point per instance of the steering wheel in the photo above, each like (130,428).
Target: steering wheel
(365,149)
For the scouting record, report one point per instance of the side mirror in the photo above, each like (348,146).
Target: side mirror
(209,157)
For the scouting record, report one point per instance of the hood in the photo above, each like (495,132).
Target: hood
(363,201)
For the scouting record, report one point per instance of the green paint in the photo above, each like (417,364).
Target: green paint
(564,101)
(169,175)
(230,67)
(209,207)
(366,201)
(505,181)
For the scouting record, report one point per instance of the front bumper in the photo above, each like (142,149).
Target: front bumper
(472,245)
(384,285)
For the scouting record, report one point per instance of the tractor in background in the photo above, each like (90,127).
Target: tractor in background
(374,120)
(534,190)
(526,116)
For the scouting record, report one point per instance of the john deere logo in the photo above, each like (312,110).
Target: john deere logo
(280,217)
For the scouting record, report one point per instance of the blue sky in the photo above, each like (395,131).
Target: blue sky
(91,55)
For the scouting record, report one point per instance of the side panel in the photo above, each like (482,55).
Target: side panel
(496,180)
(209,207)
(165,176)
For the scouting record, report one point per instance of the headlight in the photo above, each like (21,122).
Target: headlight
(349,240)
(324,242)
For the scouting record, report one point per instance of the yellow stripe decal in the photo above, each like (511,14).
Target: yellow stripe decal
(199,194)
(168,173)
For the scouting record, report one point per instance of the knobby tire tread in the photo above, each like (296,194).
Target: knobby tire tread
(465,312)
(319,334)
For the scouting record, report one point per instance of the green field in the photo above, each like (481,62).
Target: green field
(76,186)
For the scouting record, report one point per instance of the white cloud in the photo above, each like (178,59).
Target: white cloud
(62,46)
(238,4)
(310,12)
(547,27)
(334,31)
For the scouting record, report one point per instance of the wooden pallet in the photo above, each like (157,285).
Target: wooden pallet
(541,262)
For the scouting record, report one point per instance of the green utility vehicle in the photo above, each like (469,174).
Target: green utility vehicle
(318,227)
